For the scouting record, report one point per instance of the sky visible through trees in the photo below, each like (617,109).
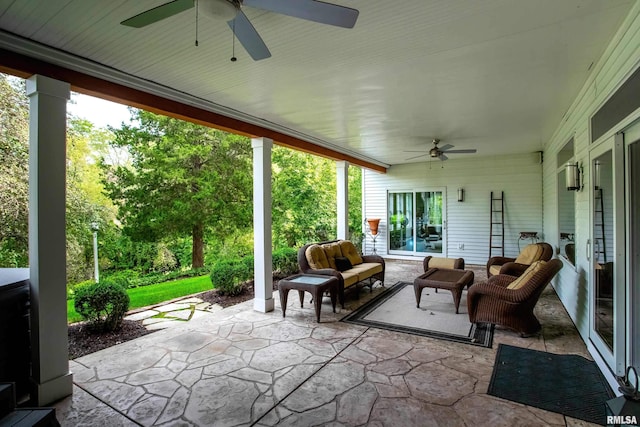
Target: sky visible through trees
(166,194)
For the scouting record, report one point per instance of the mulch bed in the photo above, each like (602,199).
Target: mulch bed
(83,341)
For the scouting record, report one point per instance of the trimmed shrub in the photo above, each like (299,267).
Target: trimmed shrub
(227,276)
(102,304)
(71,288)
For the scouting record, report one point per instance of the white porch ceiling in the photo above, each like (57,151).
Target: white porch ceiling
(495,75)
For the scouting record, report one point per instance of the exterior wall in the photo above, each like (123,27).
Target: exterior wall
(619,60)
(520,177)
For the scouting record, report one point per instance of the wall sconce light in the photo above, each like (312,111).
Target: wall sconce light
(596,175)
(574,176)
(461,194)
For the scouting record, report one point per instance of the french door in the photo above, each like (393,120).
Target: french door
(607,253)
(417,222)
(632,161)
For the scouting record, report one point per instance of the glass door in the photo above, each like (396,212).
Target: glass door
(416,222)
(607,298)
(400,222)
(632,151)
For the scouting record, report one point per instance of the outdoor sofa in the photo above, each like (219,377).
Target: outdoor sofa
(340,258)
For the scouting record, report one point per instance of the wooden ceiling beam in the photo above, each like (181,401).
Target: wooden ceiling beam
(24,66)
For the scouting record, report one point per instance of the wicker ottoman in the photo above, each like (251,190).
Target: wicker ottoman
(443,278)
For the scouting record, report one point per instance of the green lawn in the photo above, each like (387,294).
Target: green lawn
(154,294)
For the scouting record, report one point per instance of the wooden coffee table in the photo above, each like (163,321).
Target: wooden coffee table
(443,278)
(315,284)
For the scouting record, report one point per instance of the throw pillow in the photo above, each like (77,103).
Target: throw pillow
(343,263)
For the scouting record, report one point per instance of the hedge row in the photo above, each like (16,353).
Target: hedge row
(227,274)
(104,304)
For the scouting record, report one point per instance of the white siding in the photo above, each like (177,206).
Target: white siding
(520,177)
(620,59)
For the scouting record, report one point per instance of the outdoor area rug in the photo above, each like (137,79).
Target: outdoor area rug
(567,384)
(395,310)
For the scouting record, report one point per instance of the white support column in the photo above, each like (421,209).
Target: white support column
(262,243)
(47,242)
(342,190)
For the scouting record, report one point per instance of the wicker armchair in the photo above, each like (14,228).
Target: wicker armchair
(493,302)
(530,254)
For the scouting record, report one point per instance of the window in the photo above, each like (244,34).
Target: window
(566,205)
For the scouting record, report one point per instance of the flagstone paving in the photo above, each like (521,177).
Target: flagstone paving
(172,314)
(237,367)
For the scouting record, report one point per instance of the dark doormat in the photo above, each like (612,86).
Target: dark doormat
(563,383)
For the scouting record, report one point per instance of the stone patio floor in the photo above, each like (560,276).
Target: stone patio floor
(237,366)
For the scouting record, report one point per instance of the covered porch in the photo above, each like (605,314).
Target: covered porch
(503,78)
(242,367)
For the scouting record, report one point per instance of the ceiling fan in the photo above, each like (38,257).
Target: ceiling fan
(231,12)
(439,152)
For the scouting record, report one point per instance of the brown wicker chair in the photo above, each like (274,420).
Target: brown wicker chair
(493,302)
(530,254)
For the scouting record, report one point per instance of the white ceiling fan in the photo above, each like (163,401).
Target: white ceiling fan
(439,152)
(231,12)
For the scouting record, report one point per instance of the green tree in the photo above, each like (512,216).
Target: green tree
(183,179)
(14,173)
(355,204)
(304,198)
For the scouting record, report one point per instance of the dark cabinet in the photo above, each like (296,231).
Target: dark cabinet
(15,343)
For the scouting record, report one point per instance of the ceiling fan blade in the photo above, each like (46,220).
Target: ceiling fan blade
(472,150)
(446,147)
(158,13)
(443,157)
(311,10)
(415,157)
(249,37)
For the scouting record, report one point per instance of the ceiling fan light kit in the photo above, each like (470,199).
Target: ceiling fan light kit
(219,10)
(440,152)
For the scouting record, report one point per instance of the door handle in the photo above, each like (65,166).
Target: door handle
(588,249)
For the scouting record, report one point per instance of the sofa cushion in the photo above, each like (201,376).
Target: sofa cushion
(350,277)
(316,257)
(530,254)
(437,262)
(528,274)
(343,263)
(332,251)
(367,269)
(349,251)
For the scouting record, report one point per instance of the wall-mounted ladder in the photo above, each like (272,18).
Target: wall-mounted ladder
(600,250)
(496,228)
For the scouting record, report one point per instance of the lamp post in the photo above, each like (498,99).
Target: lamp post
(94,228)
